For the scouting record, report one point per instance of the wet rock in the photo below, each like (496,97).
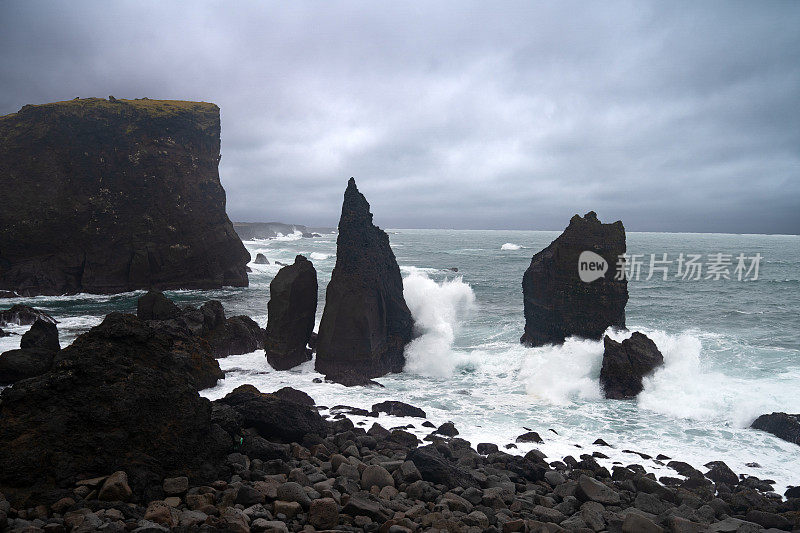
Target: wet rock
(530,436)
(485,448)
(273,417)
(782,425)
(557,303)
(626,363)
(448,429)
(156,306)
(261,259)
(43,335)
(720,473)
(395,408)
(292,307)
(293,395)
(24,315)
(22,364)
(238,335)
(366,322)
(118,196)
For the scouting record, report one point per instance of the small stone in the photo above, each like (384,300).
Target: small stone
(175,485)
(115,488)
(323,513)
(160,513)
(287,509)
(172,501)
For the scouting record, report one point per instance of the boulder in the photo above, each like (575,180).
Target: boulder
(107,197)
(237,335)
(557,303)
(22,364)
(292,309)
(366,323)
(156,306)
(43,335)
(24,315)
(261,259)
(115,488)
(273,417)
(626,363)
(293,395)
(323,513)
(530,436)
(589,489)
(119,398)
(435,468)
(782,425)
(396,408)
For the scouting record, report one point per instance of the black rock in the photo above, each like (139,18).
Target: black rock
(291,310)
(434,467)
(448,429)
(118,398)
(626,363)
(720,473)
(293,395)
(782,425)
(396,408)
(23,315)
(557,303)
(22,364)
(485,448)
(274,418)
(42,335)
(530,436)
(156,306)
(239,334)
(106,197)
(366,322)
(261,259)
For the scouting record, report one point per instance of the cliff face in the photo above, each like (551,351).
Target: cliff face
(109,196)
(558,304)
(366,322)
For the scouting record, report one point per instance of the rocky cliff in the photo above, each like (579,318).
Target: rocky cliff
(366,322)
(558,304)
(107,196)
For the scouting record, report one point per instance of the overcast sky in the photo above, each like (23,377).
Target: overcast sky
(671,116)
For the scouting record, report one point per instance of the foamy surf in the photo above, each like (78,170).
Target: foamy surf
(510,246)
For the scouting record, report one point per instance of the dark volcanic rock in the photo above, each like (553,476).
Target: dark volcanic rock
(261,259)
(395,408)
(293,395)
(155,306)
(237,335)
(42,335)
(782,425)
(22,364)
(626,363)
(366,322)
(111,196)
(557,303)
(118,398)
(23,315)
(273,416)
(434,467)
(291,310)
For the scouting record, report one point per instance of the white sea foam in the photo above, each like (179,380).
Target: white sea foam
(510,246)
(437,309)
(317,256)
(294,236)
(562,373)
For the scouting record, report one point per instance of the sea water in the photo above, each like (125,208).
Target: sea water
(731,348)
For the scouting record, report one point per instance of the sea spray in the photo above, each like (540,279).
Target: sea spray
(510,246)
(437,309)
(559,374)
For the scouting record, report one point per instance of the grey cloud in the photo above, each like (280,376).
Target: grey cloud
(677,116)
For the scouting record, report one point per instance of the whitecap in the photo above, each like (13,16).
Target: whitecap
(510,246)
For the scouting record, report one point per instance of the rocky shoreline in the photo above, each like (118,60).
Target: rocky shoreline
(305,473)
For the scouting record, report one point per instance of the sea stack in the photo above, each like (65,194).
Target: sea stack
(292,308)
(626,363)
(107,196)
(366,322)
(558,303)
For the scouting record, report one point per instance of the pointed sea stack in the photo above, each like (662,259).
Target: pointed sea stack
(107,196)
(292,308)
(558,304)
(366,322)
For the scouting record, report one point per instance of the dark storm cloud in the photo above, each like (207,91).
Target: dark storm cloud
(672,116)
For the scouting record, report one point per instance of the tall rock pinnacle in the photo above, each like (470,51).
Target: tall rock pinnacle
(366,322)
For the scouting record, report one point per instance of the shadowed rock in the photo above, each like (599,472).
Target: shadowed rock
(626,363)
(42,335)
(557,303)
(783,425)
(366,322)
(292,309)
(261,259)
(34,357)
(112,196)
(119,397)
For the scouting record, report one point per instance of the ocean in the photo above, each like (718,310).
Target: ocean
(731,348)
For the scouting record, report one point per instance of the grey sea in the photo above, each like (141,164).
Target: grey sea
(731,346)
